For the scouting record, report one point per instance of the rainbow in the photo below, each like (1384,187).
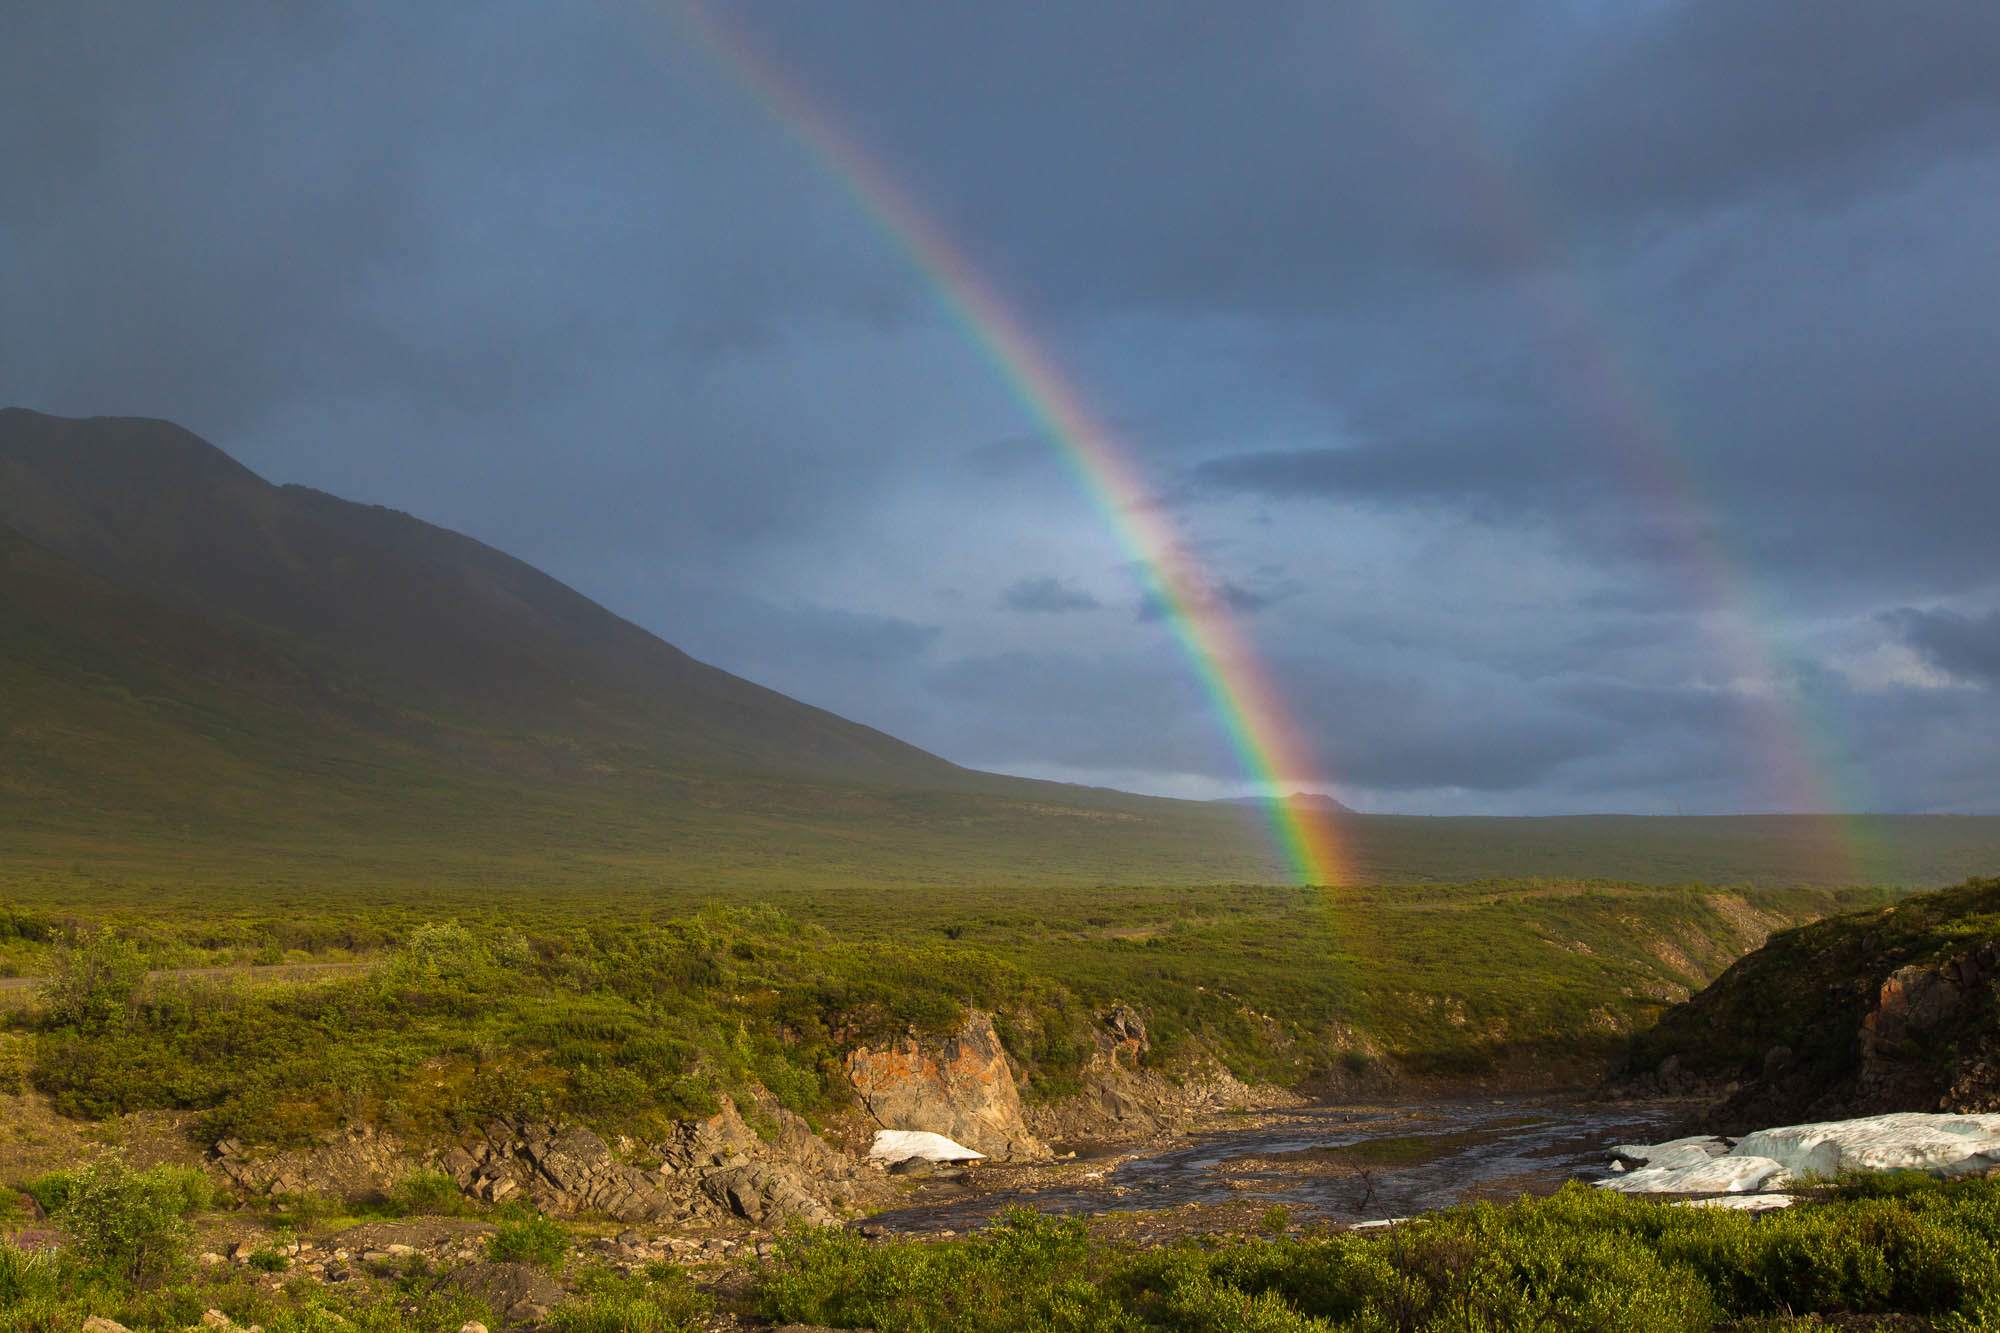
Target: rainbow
(1266,743)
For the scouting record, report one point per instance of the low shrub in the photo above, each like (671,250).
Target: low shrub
(303,1212)
(532,1239)
(51,1190)
(427,1194)
(26,1277)
(1581,1259)
(664,1300)
(131,1224)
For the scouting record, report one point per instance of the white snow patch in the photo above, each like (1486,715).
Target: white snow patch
(1673,1154)
(1728,1174)
(1943,1145)
(900,1145)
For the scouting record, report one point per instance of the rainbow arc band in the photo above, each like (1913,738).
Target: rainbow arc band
(1266,743)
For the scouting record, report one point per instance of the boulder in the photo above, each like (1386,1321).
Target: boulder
(768,1195)
(958,1086)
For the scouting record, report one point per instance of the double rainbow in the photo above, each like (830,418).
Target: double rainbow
(1634,426)
(1267,745)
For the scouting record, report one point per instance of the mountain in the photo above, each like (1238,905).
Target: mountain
(443,631)
(1896,1009)
(192,658)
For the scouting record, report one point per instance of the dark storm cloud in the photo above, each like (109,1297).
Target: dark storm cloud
(1507,345)
(1697,104)
(1514,474)
(1820,406)
(1965,646)
(1046,593)
(243,207)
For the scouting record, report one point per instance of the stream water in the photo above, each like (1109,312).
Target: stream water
(1337,1164)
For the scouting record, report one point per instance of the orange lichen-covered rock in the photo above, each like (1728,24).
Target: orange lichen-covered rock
(958,1086)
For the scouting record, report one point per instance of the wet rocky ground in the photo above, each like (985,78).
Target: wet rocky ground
(1330,1165)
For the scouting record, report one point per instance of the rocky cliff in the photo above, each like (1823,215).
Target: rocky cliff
(960,1086)
(1896,1009)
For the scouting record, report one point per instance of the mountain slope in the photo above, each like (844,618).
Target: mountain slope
(442,628)
(206,678)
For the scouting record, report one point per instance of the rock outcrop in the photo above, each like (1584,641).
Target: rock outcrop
(709,1169)
(1886,1011)
(959,1086)
(1121,1099)
(359,1163)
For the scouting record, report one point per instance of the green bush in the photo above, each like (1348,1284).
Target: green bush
(51,1190)
(129,1224)
(662,1301)
(427,1194)
(94,982)
(305,1211)
(529,1240)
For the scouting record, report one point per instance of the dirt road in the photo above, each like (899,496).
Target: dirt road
(267,972)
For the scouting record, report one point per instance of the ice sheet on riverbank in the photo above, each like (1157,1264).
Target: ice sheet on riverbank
(1943,1145)
(900,1145)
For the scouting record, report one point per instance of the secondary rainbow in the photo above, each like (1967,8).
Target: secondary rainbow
(1637,428)
(1266,743)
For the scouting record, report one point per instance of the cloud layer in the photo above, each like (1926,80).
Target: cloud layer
(1574,407)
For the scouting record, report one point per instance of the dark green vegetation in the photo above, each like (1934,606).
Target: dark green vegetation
(1928,963)
(1904,1246)
(621,1018)
(1581,1260)
(212,684)
(130,1258)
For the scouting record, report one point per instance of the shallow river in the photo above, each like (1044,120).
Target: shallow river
(1338,1164)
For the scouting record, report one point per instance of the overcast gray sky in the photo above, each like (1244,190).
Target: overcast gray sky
(1578,406)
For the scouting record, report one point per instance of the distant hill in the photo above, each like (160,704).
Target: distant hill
(1298,800)
(1886,1010)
